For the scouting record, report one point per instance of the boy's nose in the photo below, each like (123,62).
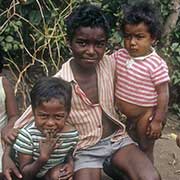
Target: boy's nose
(50,122)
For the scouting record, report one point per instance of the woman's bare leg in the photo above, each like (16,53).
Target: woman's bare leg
(135,163)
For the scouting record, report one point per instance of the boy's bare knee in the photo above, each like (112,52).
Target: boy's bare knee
(51,175)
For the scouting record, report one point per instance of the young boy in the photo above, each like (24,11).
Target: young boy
(141,90)
(91,73)
(43,145)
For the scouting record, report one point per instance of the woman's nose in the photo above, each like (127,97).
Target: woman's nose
(91,49)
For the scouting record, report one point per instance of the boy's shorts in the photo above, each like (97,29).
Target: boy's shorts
(94,156)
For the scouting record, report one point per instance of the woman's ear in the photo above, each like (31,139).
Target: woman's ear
(68,42)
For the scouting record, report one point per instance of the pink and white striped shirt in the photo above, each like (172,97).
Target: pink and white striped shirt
(137,78)
(85,116)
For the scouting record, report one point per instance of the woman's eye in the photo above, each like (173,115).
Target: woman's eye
(82,43)
(101,44)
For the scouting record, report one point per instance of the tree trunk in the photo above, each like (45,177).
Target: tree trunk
(171,20)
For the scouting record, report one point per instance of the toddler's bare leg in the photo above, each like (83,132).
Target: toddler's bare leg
(146,144)
(137,130)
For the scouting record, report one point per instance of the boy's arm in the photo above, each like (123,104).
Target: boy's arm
(66,171)
(158,120)
(9,167)
(28,166)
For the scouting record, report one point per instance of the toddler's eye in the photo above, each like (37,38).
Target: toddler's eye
(139,36)
(127,36)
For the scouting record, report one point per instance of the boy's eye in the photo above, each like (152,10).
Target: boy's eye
(58,117)
(43,116)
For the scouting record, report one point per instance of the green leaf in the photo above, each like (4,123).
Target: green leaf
(9,39)
(35,17)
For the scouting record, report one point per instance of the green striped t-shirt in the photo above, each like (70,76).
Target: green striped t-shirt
(27,142)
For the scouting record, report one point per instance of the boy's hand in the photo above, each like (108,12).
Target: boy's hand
(48,145)
(9,134)
(154,129)
(66,172)
(9,168)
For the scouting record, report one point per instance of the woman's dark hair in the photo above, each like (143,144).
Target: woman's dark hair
(51,87)
(86,15)
(143,12)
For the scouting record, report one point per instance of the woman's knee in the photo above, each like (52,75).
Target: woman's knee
(152,176)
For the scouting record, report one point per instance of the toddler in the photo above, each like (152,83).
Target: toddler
(141,89)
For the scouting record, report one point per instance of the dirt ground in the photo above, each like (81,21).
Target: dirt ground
(167,154)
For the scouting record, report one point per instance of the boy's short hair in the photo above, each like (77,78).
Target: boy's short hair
(51,87)
(143,12)
(86,15)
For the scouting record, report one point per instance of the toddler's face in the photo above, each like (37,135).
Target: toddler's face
(50,117)
(137,39)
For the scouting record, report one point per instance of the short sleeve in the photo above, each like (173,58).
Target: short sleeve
(160,74)
(23,143)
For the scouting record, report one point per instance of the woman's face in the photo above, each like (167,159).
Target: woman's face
(88,46)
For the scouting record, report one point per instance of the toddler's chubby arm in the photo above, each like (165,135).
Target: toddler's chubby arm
(159,117)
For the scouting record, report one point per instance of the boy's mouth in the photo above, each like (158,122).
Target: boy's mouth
(50,132)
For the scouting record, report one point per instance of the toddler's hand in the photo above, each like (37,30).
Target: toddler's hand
(154,129)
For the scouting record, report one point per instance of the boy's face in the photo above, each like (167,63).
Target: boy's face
(88,46)
(50,117)
(138,40)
